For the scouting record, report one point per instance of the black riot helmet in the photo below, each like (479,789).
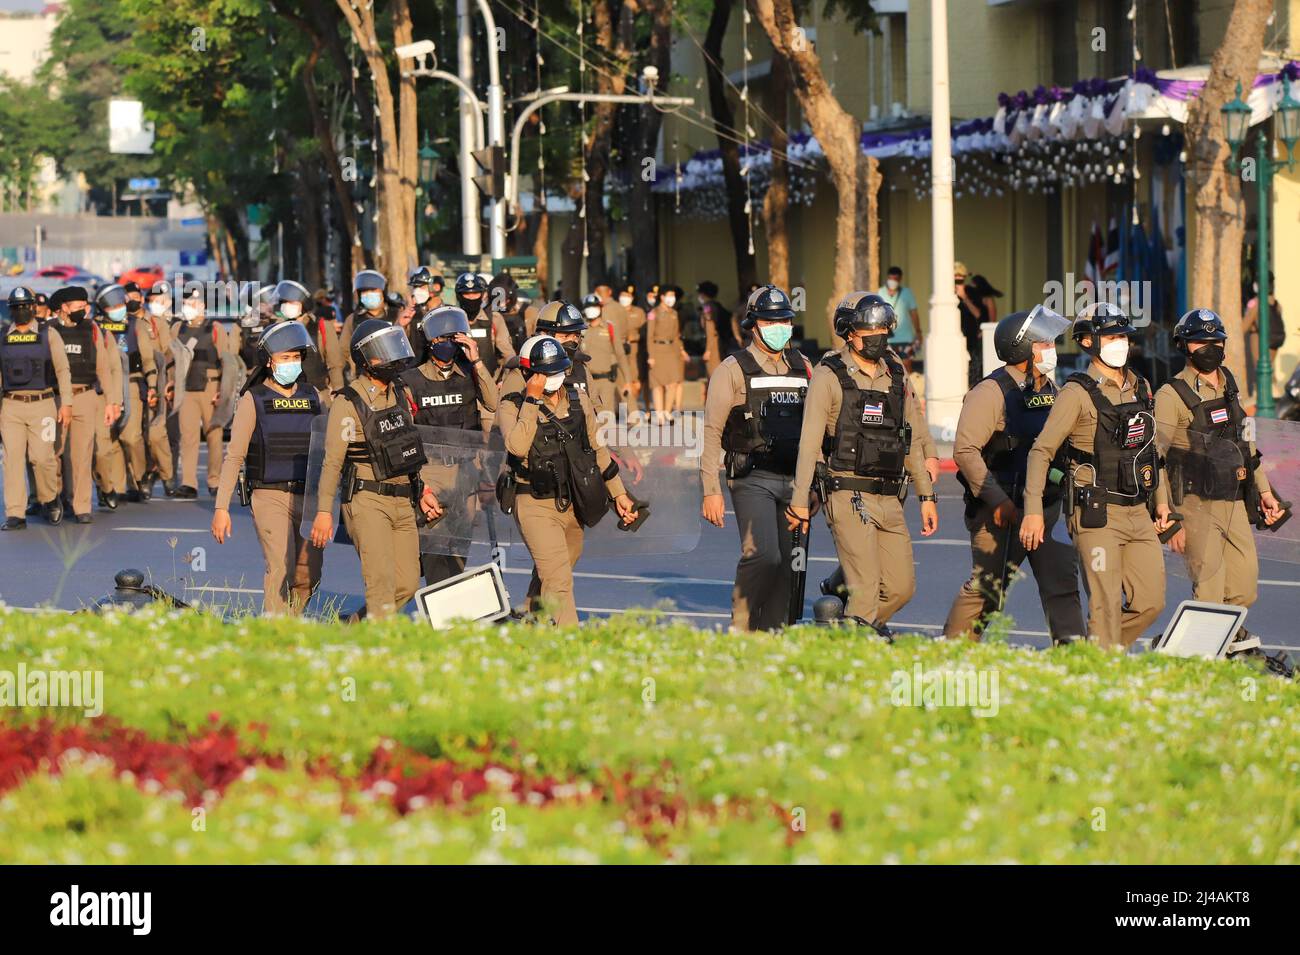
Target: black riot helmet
(469,283)
(22,304)
(557,318)
(860,310)
(543,355)
(110,296)
(419,276)
(291,291)
(590,302)
(1103,318)
(368,279)
(442,322)
(381,349)
(1198,325)
(767,303)
(503,293)
(283,336)
(1015,334)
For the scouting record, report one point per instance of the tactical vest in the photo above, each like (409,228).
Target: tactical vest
(450,403)
(547,470)
(577,378)
(313,362)
(206,357)
(278,451)
(25,359)
(1124,459)
(767,426)
(1221,419)
(124,338)
(480,329)
(516,328)
(389,443)
(872,437)
(1006,454)
(79,342)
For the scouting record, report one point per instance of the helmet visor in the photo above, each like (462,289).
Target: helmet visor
(386,347)
(1042,325)
(284,336)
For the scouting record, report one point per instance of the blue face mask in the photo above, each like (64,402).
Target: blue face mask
(287,373)
(776,337)
(117,314)
(444,351)
(372,299)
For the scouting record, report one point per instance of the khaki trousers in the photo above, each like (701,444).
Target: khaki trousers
(554,540)
(1124,570)
(760,599)
(1220,551)
(387,541)
(196,425)
(160,449)
(79,448)
(997,554)
(28,429)
(112,455)
(293,565)
(604,396)
(875,551)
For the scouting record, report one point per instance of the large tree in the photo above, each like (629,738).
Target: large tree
(1220,211)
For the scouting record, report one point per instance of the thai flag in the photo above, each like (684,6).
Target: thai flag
(1219,416)
(1137,429)
(870,411)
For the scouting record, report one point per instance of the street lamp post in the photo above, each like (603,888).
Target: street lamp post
(1236,124)
(430,162)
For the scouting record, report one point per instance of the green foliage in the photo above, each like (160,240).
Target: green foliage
(32,124)
(1090,757)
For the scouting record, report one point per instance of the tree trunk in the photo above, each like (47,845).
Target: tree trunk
(837,132)
(309,222)
(645,123)
(777,201)
(541,246)
(408,136)
(724,121)
(1220,210)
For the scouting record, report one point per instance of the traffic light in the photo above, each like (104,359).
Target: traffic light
(492,162)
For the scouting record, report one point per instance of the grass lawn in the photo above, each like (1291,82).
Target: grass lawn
(635,740)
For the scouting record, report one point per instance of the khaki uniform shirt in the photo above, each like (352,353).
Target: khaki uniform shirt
(983,414)
(58,359)
(1173,417)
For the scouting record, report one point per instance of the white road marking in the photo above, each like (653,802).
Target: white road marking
(1280,583)
(226,590)
(666,613)
(164,530)
(632,578)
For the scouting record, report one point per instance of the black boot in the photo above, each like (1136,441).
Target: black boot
(14,524)
(185,493)
(53,511)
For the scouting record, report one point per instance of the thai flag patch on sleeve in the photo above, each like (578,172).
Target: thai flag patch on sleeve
(1219,416)
(873,413)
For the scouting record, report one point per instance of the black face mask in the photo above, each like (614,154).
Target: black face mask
(471,307)
(1206,358)
(444,351)
(132,305)
(77,315)
(873,347)
(571,348)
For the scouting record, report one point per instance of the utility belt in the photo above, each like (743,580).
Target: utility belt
(352,485)
(293,487)
(1086,459)
(380,487)
(888,487)
(29,398)
(741,464)
(1013,486)
(610,375)
(1092,501)
(666,341)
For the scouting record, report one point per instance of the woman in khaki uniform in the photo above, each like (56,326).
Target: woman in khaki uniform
(269,439)
(636,321)
(537,423)
(666,357)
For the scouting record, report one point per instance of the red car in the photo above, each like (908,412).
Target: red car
(64,272)
(143,275)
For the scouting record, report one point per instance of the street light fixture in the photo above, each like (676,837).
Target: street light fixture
(430,163)
(1236,125)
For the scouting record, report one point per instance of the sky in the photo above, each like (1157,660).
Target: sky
(22,6)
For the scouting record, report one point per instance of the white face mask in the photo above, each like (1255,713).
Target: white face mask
(669,301)
(420,294)
(1046,361)
(892,284)
(625,300)
(554,383)
(1115,353)
(190,312)
(157,308)
(291,309)
(591,313)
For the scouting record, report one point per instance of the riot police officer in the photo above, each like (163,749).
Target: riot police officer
(208,346)
(373,451)
(156,326)
(1215,480)
(368,287)
(1105,418)
(563,474)
(862,417)
(1000,418)
(269,440)
(33,371)
(95,368)
(484,325)
(122,447)
(606,364)
(452,389)
(503,299)
(419,281)
(754,414)
(323,362)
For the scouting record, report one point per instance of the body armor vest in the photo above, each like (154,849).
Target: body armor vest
(124,338)
(767,426)
(548,469)
(1007,453)
(516,328)
(872,437)
(480,329)
(205,357)
(79,342)
(25,358)
(449,403)
(278,451)
(1197,469)
(313,362)
(1124,459)
(389,443)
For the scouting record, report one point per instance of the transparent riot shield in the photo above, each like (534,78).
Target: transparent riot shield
(1278,442)
(233,374)
(1205,482)
(181,358)
(667,478)
(127,384)
(461,469)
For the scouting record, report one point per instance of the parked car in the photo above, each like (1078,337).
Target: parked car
(143,275)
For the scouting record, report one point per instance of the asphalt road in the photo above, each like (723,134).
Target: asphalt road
(71,566)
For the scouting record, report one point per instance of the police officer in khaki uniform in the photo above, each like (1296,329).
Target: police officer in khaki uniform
(323,363)
(155,325)
(33,370)
(613,310)
(755,414)
(374,452)
(564,475)
(863,422)
(208,344)
(606,364)
(635,347)
(95,368)
(1000,418)
(120,460)
(452,389)
(269,441)
(1215,480)
(368,288)
(666,356)
(1105,418)
(485,326)
(503,299)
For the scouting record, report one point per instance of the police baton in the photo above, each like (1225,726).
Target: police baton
(799,577)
